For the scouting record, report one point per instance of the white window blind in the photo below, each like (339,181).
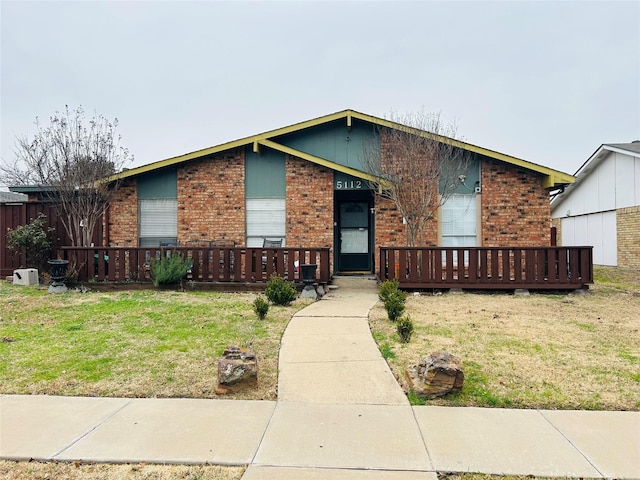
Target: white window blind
(459,221)
(158,221)
(265,219)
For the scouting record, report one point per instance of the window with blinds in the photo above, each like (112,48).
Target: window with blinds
(265,220)
(460,221)
(158,222)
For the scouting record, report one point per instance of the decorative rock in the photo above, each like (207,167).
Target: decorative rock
(309,292)
(237,365)
(436,375)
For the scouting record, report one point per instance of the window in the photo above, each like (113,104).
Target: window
(265,190)
(158,208)
(158,221)
(265,219)
(459,221)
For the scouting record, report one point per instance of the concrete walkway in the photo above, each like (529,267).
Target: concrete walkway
(340,415)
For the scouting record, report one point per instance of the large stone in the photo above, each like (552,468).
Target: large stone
(237,365)
(436,375)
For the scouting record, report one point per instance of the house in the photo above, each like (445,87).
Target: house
(602,207)
(305,185)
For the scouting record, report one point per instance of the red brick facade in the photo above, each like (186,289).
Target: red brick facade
(309,204)
(515,209)
(211,200)
(123,216)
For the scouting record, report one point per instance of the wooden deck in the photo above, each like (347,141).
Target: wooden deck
(208,264)
(499,268)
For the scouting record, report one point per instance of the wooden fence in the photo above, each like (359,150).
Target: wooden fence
(17,214)
(208,264)
(554,268)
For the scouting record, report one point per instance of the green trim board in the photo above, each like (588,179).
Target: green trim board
(265,174)
(552,178)
(317,160)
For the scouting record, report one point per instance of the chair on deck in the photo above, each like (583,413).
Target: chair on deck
(272,243)
(266,243)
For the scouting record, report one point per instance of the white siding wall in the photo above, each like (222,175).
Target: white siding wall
(597,230)
(615,183)
(627,180)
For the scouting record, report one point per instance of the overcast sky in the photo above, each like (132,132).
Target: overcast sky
(544,81)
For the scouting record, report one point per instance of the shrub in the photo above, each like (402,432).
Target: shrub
(388,288)
(394,305)
(405,329)
(33,238)
(261,307)
(169,269)
(280,292)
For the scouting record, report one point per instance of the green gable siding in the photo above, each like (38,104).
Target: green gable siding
(334,141)
(264,174)
(472,179)
(158,184)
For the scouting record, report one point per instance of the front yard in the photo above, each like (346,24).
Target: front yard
(568,351)
(540,351)
(132,344)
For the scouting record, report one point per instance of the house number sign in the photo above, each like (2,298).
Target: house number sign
(348,184)
(345,182)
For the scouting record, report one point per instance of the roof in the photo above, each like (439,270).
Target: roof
(10,197)
(596,158)
(633,147)
(552,178)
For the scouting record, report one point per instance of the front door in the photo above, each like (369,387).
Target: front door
(353,242)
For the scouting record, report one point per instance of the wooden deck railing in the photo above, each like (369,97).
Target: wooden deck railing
(555,268)
(208,264)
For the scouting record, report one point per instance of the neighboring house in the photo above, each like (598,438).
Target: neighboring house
(602,207)
(10,197)
(304,185)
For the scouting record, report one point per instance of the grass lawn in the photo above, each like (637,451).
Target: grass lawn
(551,351)
(541,351)
(145,343)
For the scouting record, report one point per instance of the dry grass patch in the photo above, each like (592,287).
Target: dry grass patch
(568,351)
(132,344)
(70,471)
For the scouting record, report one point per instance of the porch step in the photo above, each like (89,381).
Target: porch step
(355,282)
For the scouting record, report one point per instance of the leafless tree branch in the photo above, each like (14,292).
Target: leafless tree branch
(71,158)
(418,165)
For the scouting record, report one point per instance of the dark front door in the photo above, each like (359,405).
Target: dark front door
(353,242)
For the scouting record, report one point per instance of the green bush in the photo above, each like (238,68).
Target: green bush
(33,238)
(405,329)
(169,269)
(261,307)
(280,292)
(394,304)
(387,288)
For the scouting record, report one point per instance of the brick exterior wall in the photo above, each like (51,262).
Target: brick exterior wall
(515,208)
(557,222)
(211,200)
(309,204)
(628,226)
(123,216)
(211,206)
(391,232)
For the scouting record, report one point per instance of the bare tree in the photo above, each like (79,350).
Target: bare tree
(418,164)
(71,160)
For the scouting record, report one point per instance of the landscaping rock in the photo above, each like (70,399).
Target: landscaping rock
(436,375)
(237,365)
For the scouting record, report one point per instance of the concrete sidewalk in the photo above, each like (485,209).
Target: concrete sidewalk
(340,415)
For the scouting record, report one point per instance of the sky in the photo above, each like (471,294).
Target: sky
(547,82)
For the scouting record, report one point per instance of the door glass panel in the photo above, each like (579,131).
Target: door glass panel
(354,214)
(354,240)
